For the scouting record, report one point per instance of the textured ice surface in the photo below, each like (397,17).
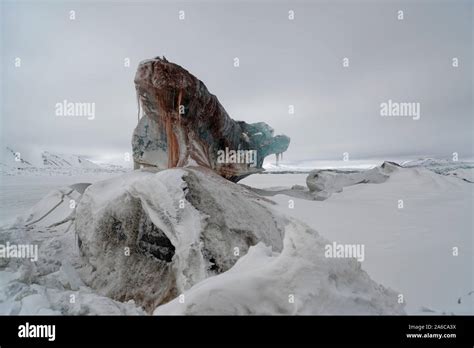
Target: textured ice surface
(409,249)
(278,270)
(183,122)
(186,229)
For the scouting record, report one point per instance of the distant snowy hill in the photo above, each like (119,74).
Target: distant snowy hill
(11,159)
(309,165)
(66,161)
(13,162)
(463,170)
(460,169)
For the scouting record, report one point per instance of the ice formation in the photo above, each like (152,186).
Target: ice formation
(141,241)
(150,237)
(183,123)
(178,235)
(328,181)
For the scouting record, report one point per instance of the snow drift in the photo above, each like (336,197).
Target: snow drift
(142,241)
(52,285)
(299,280)
(463,170)
(329,181)
(322,183)
(189,230)
(409,246)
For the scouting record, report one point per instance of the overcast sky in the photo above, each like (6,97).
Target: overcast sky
(282,62)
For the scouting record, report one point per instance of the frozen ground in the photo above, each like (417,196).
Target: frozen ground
(20,192)
(409,250)
(281,266)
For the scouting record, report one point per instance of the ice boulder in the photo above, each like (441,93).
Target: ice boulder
(57,207)
(298,280)
(149,236)
(187,241)
(328,181)
(182,123)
